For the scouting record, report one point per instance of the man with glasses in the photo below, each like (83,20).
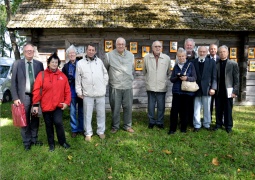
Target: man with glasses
(156,70)
(120,66)
(24,72)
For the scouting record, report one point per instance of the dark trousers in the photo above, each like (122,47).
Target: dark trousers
(153,99)
(54,118)
(181,104)
(224,108)
(30,132)
(190,110)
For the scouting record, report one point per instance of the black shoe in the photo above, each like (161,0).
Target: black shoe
(66,146)
(51,148)
(27,147)
(151,125)
(208,129)
(196,129)
(229,130)
(171,132)
(216,128)
(37,143)
(74,134)
(160,126)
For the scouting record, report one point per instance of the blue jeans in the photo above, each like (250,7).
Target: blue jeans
(205,102)
(153,99)
(76,124)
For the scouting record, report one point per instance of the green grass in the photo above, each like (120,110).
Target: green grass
(145,155)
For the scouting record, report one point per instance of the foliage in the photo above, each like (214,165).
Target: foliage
(4,46)
(145,154)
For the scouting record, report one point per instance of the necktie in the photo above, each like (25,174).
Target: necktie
(31,76)
(201,60)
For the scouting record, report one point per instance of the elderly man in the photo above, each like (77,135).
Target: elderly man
(206,79)
(189,46)
(91,80)
(120,66)
(69,70)
(228,88)
(213,56)
(24,72)
(156,70)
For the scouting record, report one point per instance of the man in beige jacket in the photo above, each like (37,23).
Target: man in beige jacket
(156,70)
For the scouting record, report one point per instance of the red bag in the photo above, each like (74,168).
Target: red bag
(19,115)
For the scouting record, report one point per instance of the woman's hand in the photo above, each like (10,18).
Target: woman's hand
(35,110)
(64,106)
(184,78)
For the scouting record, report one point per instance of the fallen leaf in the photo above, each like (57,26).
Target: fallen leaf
(150,150)
(238,170)
(110,170)
(109,177)
(215,161)
(167,152)
(206,155)
(69,157)
(96,144)
(230,156)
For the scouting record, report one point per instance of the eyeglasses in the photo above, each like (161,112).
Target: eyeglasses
(120,44)
(29,51)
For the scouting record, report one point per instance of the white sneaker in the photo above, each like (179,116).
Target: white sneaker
(102,136)
(88,138)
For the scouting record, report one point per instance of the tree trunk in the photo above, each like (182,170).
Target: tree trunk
(11,31)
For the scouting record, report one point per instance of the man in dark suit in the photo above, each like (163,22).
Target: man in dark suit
(206,79)
(24,72)
(228,88)
(213,48)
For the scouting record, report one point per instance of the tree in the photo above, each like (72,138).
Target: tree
(9,8)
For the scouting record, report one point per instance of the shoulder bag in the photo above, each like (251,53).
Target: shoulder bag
(189,86)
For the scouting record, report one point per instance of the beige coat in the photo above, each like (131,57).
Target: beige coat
(156,77)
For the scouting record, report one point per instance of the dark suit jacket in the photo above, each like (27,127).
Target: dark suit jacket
(208,79)
(18,79)
(231,75)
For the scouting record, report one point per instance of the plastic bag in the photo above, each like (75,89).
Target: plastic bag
(19,115)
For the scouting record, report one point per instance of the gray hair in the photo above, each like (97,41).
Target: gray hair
(120,38)
(190,40)
(71,48)
(156,42)
(223,46)
(181,50)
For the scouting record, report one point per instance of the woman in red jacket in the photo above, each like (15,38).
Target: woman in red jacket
(52,91)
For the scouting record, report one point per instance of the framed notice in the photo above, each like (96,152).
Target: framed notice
(139,64)
(173,46)
(133,47)
(252,65)
(108,45)
(251,52)
(61,54)
(233,53)
(145,50)
(161,45)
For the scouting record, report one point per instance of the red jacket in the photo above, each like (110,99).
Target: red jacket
(55,90)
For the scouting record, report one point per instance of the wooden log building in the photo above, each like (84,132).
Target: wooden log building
(53,25)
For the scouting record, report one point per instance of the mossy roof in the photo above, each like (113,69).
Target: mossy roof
(222,15)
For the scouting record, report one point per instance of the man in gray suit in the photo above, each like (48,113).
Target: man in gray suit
(24,72)
(206,79)
(228,88)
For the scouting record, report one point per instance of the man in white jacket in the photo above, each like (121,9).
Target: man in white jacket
(90,85)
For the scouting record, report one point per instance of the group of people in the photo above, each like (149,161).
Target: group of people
(217,78)
(82,85)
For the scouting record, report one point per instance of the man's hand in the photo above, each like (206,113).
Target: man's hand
(80,96)
(17,102)
(212,92)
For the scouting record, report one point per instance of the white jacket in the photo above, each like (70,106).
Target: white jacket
(91,78)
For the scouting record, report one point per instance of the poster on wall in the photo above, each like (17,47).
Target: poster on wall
(145,50)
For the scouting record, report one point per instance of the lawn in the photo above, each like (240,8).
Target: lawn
(144,155)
